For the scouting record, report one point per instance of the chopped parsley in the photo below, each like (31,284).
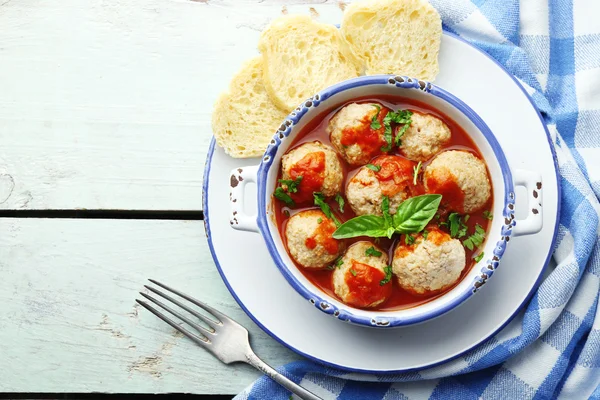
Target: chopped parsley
(338,263)
(402,117)
(372,252)
(341,202)
(409,240)
(416,170)
(375,124)
(319,220)
(397,117)
(476,239)
(320,201)
(479,257)
(287,186)
(375,168)
(425,234)
(458,229)
(280,194)
(388,275)
(353,272)
(488,215)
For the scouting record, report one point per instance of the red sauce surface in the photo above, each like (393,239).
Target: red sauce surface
(317,130)
(323,236)
(363,283)
(311,168)
(369,140)
(452,195)
(395,175)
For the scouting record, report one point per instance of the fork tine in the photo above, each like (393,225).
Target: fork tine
(197,339)
(206,307)
(178,315)
(204,318)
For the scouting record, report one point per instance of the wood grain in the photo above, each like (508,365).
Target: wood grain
(69,322)
(107,104)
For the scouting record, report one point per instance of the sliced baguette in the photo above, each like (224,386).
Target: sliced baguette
(302,57)
(245,119)
(400,37)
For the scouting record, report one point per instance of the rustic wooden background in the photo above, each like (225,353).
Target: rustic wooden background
(106,104)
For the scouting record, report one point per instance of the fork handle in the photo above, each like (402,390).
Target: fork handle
(260,365)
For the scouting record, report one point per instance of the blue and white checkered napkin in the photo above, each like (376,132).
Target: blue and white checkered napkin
(553,47)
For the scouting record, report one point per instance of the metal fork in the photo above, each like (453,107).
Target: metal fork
(225,339)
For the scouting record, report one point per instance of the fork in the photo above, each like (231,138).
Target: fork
(224,338)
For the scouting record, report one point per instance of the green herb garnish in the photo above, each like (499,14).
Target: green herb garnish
(353,272)
(388,275)
(338,263)
(375,168)
(479,257)
(291,185)
(416,170)
(476,239)
(372,252)
(320,201)
(341,202)
(398,117)
(283,196)
(286,213)
(425,234)
(409,239)
(412,216)
(488,215)
(319,220)
(375,124)
(458,229)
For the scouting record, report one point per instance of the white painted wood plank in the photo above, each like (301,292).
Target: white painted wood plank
(69,323)
(106,104)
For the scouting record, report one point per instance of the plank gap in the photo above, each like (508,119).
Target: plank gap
(106,214)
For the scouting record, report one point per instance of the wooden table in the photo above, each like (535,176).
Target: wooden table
(105,105)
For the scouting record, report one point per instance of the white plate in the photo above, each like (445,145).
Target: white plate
(265,295)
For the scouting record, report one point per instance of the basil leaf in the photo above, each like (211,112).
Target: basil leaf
(415,213)
(365,225)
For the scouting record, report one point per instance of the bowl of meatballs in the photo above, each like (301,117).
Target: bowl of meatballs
(386,201)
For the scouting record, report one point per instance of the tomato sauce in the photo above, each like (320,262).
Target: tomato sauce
(363,282)
(312,170)
(393,177)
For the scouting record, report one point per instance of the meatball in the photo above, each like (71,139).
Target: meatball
(425,137)
(429,265)
(358,280)
(351,132)
(461,178)
(319,167)
(386,176)
(309,239)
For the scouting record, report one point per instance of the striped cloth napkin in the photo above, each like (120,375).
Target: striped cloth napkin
(553,48)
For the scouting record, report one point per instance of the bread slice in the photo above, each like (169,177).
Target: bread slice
(302,57)
(245,119)
(400,37)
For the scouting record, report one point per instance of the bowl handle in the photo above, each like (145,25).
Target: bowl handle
(532,181)
(239,219)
